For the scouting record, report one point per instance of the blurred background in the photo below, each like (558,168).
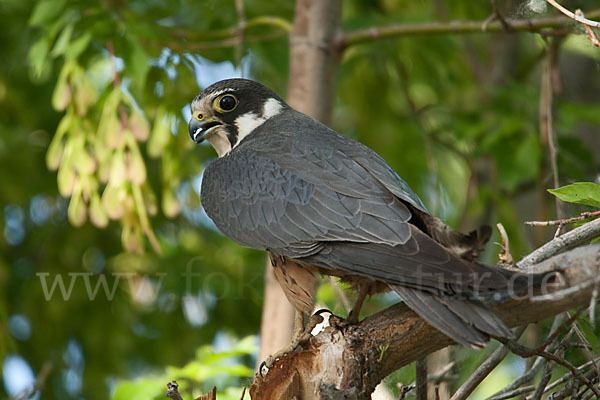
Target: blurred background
(112,279)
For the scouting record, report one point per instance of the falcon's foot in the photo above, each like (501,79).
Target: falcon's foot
(363,291)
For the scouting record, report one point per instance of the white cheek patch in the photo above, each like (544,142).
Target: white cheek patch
(248,122)
(271,108)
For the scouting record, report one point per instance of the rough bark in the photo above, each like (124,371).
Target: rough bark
(313,66)
(348,361)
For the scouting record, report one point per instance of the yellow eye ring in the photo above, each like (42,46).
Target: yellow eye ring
(225,103)
(198,116)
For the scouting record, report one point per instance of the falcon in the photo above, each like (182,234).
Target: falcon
(323,204)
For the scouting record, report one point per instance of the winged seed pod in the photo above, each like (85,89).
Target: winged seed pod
(113,201)
(77,210)
(149,199)
(161,133)
(66,178)
(63,92)
(85,92)
(134,163)
(98,216)
(55,151)
(132,239)
(138,126)
(118,168)
(170,205)
(83,162)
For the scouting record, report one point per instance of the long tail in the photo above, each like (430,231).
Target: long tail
(467,322)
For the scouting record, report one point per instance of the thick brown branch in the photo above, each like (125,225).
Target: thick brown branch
(355,358)
(453,27)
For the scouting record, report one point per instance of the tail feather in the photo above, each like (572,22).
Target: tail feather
(466,322)
(463,246)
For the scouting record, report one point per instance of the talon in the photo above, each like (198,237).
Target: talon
(352,317)
(321,311)
(263,365)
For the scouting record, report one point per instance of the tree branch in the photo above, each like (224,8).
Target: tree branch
(360,36)
(353,359)
(575,237)
(576,16)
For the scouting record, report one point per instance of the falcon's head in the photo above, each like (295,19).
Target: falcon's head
(227,111)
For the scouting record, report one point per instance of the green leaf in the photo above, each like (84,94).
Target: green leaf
(62,43)
(38,59)
(77,46)
(137,63)
(587,193)
(46,11)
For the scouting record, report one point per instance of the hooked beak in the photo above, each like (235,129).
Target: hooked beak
(200,130)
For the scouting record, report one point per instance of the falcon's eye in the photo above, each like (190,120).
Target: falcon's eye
(225,103)
(198,116)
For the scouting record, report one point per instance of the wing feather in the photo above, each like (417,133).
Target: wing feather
(332,202)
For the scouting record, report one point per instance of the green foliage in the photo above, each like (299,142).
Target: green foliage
(587,193)
(208,369)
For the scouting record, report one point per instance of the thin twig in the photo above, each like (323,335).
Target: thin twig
(538,364)
(546,376)
(591,36)
(568,376)
(504,256)
(587,347)
(592,306)
(364,35)
(512,393)
(527,352)
(484,369)
(496,15)
(564,221)
(421,379)
(576,16)
(40,382)
(546,121)
(577,236)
